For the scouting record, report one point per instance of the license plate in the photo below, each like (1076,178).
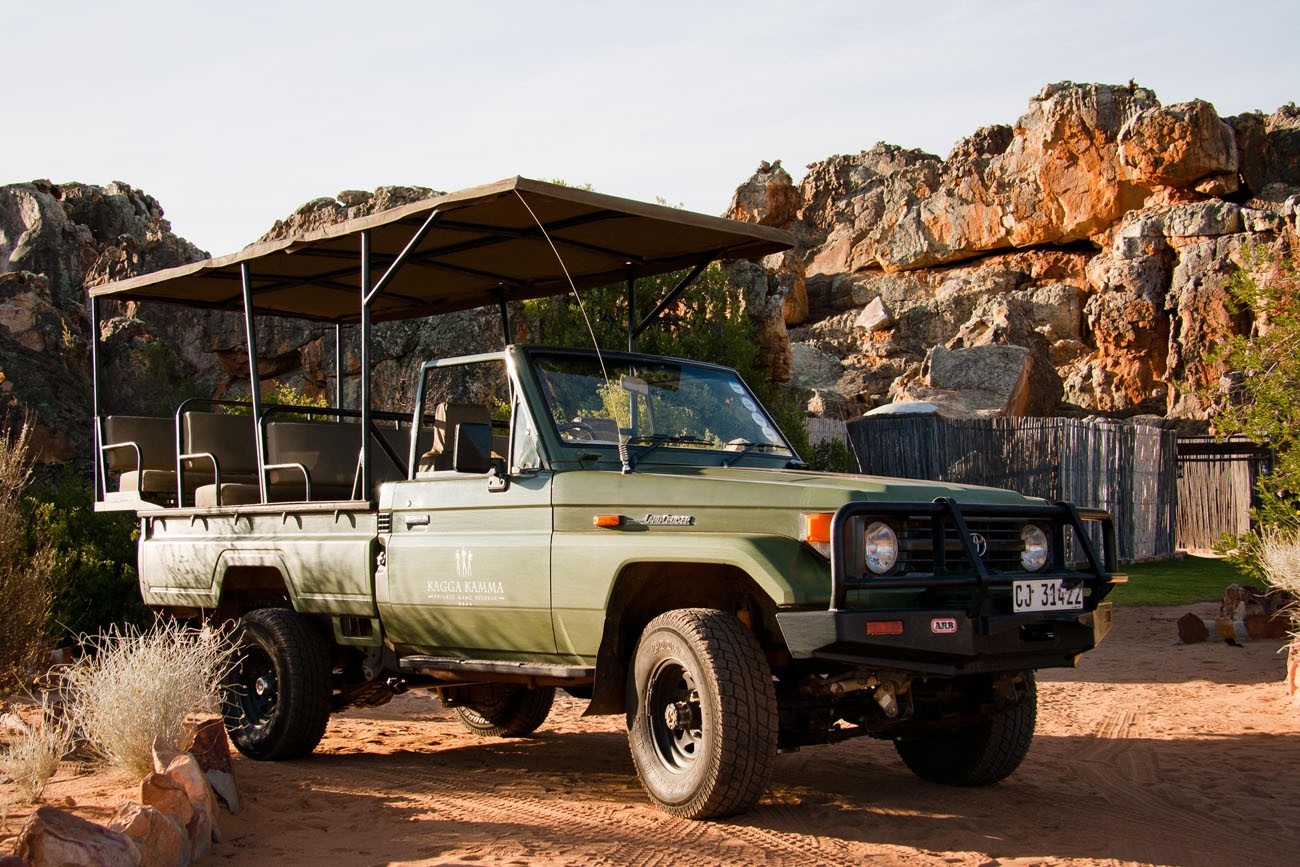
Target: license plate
(1047,595)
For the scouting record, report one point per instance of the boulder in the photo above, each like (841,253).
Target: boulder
(977,382)
(169,793)
(1179,145)
(184,769)
(210,746)
(1053,178)
(324,212)
(763,295)
(162,842)
(813,369)
(768,198)
(54,838)
(876,316)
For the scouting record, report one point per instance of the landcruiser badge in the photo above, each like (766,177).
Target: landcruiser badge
(668,520)
(981,545)
(943,626)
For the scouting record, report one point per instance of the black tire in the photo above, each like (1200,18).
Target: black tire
(515,716)
(702,714)
(276,699)
(977,755)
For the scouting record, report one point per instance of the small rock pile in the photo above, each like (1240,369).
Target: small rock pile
(174,825)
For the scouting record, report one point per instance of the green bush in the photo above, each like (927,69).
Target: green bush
(1264,406)
(832,456)
(28,573)
(95,558)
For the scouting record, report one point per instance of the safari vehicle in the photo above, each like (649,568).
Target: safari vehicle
(631,529)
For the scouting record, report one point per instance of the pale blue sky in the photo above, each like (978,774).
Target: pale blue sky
(234,113)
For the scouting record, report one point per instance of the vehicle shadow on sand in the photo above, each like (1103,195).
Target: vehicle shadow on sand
(1183,802)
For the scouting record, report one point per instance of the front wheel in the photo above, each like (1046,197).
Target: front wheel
(703,718)
(276,699)
(515,716)
(976,755)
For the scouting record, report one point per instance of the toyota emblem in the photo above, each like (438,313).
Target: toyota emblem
(981,545)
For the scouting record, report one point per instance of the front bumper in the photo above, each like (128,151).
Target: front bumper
(946,643)
(959,617)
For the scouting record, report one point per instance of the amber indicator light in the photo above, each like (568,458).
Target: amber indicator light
(607,520)
(817,527)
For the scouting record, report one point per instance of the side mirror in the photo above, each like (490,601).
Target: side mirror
(473,448)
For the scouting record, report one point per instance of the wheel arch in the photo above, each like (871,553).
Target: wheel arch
(644,590)
(249,580)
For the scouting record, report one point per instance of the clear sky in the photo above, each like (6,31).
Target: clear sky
(233,113)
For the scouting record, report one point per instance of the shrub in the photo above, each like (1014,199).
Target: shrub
(33,754)
(1278,554)
(1263,405)
(95,556)
(832,456)
(132,687)
(28,576)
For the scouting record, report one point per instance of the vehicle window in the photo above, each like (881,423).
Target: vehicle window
(473,392)
(681,404)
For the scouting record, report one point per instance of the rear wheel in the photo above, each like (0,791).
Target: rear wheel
(978,754)
(514,716)
(703,714)
(276,699)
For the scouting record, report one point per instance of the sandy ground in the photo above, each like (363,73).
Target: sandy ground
(1151,752)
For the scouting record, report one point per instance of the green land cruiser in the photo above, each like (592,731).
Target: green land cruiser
(634,530)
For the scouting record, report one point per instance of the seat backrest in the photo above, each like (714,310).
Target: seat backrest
(155,437)
(230,438)
(446,416)
(603,430)
(328,450)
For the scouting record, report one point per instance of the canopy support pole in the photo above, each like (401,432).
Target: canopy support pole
(368,293)
(632,330)
(101,484)
(668,299)
(504,309)
(254,381)
(338,365)
(396,264)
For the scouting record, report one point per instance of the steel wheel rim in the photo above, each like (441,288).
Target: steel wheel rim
(257,687)
(674,716)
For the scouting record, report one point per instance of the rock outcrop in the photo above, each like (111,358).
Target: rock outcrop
(55,240)
(1099,234)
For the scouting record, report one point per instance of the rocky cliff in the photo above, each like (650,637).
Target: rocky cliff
(1076,262)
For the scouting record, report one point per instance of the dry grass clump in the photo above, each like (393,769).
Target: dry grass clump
(1278,554)
(34,751)
(132,687)
(27,579)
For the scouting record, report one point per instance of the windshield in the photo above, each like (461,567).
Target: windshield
(655,403)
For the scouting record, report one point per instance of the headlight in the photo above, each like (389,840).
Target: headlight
(1034,557)
(881,543)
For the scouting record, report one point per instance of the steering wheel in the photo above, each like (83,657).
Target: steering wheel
(576,430)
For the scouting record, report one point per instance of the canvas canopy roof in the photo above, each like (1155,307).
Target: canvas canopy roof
(483,246)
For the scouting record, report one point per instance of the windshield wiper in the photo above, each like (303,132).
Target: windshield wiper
(654,442)
(749,447)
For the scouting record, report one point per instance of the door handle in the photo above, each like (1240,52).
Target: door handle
(417,521)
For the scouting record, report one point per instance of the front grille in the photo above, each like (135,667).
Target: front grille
(917,547)
(950,552)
